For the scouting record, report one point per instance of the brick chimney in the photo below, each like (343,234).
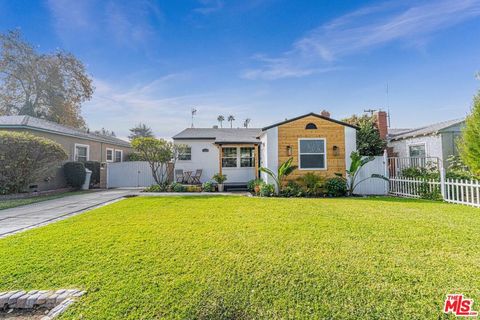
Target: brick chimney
(382,123)
(325,114)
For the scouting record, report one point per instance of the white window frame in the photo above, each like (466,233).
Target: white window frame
(113,155)
(325,153)
(416,144)
(75,151)
(237,161)
(183,160)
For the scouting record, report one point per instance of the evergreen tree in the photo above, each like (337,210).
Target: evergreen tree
(469,144)
(141,130)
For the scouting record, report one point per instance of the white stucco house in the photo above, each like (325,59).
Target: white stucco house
(433,141)
(316,142)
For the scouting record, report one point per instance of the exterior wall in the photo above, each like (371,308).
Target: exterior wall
(333,133)
(97,152)
(269,152)
(433,146)
(350,144)
(449,144)
(207,161)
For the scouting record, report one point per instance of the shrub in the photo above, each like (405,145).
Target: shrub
(421,173)
(74,174)
(219,178)
(267,190)
(93,166)
(177,187)
(208,186)
(314,184)
(154,188)
(25,158)
(431,194)
(192,189)
(254,183)
(336,187)
(292,189)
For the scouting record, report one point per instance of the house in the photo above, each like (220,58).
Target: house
(433,141)
(316,142)
(80,145)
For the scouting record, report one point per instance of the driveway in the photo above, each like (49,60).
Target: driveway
(33,215)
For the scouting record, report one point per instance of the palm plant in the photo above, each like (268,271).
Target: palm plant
(231,119)
(246,122)
(220,120)
(357,163)
(284,170)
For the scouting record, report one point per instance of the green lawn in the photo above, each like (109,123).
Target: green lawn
(245,258)
(6,204)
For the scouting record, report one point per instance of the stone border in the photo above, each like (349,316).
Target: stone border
(58,301)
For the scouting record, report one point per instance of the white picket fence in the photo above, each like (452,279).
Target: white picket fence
(465,192)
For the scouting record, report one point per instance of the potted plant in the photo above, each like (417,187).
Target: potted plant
(220,179)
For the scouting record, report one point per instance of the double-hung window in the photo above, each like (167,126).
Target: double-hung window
(81,152)
(118,155)
(185,153)
(229,157)
(247,158)
(109,155)
(312,154)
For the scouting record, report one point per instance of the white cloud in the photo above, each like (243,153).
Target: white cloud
(209,6)
(362,30)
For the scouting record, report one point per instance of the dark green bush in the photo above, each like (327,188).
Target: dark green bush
(253,183)
(177,187)
(336,187)
(314,184)
(430,193)
(74,174)
(208,186)
(93,166)
(154,188)
(267,190)
(292,189)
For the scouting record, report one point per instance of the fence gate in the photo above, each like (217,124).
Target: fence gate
(129,174)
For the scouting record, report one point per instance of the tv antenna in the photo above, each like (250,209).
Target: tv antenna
(194,112)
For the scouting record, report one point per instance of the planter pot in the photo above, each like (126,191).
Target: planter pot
(256,189)
(220,187)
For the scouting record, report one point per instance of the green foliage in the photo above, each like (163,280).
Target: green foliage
(74,174)
(254,183)
(25,159)
(336,187)
(425,173)
(314,184)
(208,187)
(267,190)
(177,187)
(430,192)
(134,156)
(292,190)
(369,142)
(458,170)
(219,178)
(357,163)
(156,188)
(12,203)
(94,166)
(284,170)
(469,143)
(141,130)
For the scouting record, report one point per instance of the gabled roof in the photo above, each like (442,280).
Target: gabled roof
(221,135)
(307,115)
(32,123)
(435,128)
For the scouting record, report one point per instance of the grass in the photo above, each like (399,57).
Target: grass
(245,258)
(7,204)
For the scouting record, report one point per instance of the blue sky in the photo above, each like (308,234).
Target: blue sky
(152,61)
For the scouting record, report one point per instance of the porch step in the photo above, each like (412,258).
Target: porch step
(236,187)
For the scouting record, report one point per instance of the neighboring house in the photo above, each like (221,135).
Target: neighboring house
(316,143)
(434,141)
(80,145)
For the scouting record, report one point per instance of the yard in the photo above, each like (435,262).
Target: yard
(241,258)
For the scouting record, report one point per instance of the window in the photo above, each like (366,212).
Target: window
(118,155)
(185,154)
(81,152)
(312,154)
(247,158)
(229,157)
(109,155)
(311,126)
(417,151)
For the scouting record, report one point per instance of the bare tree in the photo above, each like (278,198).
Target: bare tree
(231,119)
(50,86)
(220,120)
(246,122)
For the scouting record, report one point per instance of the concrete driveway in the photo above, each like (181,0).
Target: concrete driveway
(33,215)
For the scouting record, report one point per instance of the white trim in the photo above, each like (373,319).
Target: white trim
(191,151)
(414,144)
(324,153)
(115,155)
(75,151)
(106,155)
